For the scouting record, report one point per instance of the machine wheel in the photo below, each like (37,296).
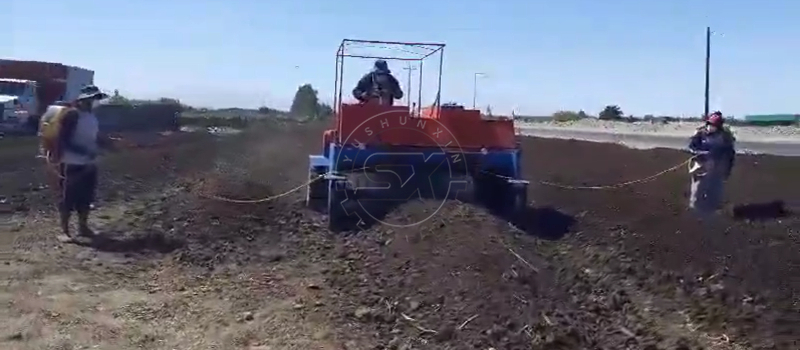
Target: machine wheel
(519,203)
(482,189)
(337,217)
(492,192)
(317,194)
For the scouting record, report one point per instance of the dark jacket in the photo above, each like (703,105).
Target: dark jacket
(719,146)
(378,84)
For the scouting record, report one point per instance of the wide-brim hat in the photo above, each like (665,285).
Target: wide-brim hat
(91,92)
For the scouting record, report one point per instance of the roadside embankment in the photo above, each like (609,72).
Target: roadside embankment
(775,140)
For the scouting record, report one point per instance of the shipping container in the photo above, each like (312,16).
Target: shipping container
(54,81)
(772,119)
(32,70)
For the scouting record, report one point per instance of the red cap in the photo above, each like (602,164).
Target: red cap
(715,118)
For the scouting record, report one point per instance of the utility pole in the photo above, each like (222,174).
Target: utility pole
(410,68)
(708,70)
(475,90)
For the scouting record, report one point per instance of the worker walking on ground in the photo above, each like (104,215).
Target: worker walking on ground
(713,147)
(76,150)
(378,85)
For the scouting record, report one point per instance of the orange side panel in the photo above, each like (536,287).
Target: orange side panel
(484,133)
(474,132)
(459,115)
(429,113)
(376,125)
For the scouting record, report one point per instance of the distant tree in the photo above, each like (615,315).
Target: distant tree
(565,116)
(169,101)
(582,114)
(118,99)
(266,110)
(611,112)
(324,110)
(306,104)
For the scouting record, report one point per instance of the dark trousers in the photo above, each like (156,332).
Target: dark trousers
(77,186)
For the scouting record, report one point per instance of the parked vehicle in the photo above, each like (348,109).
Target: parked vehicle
(27,88)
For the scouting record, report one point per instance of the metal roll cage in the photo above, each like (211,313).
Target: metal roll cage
(432,48)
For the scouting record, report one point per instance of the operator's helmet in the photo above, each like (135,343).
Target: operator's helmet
(381,66)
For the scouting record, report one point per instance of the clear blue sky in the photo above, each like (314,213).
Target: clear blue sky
(539,56)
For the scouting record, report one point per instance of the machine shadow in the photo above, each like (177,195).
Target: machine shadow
(761,211)
(546,222)
(148,242)
(372,208)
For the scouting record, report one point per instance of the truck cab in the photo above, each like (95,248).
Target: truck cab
(18,102)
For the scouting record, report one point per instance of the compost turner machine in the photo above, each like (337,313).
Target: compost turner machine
(376,154)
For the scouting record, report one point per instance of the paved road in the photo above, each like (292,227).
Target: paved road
(644,141)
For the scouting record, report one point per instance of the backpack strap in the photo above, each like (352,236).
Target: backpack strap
(376,88)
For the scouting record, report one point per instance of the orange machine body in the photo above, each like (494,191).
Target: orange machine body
(446,127)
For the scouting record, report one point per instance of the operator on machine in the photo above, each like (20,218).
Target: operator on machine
(378,85)
(713,147)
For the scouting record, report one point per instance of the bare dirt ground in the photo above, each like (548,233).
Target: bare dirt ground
(605,269)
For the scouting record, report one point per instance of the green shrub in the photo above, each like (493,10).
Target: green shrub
(566,116)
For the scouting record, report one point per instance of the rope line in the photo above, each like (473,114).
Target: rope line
(619,185)
(270,198)
(547,183)
(262,200)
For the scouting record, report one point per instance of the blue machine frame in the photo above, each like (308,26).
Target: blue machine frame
(496,174)
(348,157)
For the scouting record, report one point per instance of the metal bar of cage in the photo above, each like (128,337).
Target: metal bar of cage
(341,77)
(437,45)
(439,93)
(336,84)
(420,55)
(433,52)
(419,90)
(383,58)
